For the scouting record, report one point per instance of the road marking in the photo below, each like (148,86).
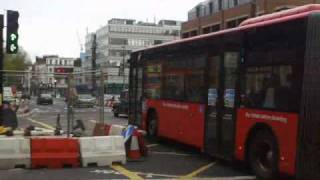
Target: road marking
(42,124)
(152,145)
(196,172)
(160,175)
(126,172)
(171,153)
(231,178)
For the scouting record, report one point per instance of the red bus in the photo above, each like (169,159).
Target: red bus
(250,93)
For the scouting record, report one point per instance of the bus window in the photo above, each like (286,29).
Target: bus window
(152,81)
(272,88)
(194,80)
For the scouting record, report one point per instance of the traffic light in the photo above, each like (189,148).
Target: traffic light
(12,31)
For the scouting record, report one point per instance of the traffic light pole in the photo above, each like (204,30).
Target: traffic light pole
(1,62)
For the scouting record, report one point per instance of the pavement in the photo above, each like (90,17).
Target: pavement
(166,160)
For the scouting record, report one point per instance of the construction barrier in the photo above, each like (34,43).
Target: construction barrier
(54,152)
(102,150)
(101,129)
(116,130)
(107,130)
(14,152)
(133,151)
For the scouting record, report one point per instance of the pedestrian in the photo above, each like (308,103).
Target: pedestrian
(9,116)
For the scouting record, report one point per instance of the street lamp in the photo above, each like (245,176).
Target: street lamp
(55,87)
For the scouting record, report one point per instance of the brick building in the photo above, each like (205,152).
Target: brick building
(214,15)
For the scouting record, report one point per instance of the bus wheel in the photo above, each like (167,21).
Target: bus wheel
(152,124)
(263,155)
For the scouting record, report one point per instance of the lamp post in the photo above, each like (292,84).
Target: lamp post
(55,87)
(123,66)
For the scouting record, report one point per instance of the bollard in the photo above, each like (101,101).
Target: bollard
(57,131)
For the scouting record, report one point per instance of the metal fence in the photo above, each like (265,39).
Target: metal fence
(98,84)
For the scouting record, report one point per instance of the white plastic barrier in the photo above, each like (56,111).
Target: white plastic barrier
(116,130)
(102,150)
(14,152)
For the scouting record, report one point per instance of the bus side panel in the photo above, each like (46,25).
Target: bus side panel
(180,121)
(284,126)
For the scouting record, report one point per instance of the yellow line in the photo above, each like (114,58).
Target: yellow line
(126,172)
(161,175)
(196,172)
(42,124)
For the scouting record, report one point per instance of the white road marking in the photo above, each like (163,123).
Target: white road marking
(150,175)
(152,145)
(171,153)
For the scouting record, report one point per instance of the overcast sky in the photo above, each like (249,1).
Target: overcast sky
(51,26)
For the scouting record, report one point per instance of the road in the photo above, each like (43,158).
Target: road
(166,160)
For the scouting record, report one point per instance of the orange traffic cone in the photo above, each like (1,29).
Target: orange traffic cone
(134,150)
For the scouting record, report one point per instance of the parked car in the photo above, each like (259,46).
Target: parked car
(85,100)
(122,105)
(45,99)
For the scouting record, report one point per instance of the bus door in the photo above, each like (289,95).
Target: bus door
(220,119)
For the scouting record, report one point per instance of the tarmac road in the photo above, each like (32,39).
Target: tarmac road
(166,160)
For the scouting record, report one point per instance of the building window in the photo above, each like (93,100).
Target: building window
(158,42)
(211,7)
(215,28)
(198,11)
(185,35)
(232,24)
(206,30)
(193,33)
(118,41)
(240,20)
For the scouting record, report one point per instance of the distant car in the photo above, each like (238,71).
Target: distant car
(85,100)
(45,99)
(121,105)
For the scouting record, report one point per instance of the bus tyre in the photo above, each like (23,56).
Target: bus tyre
(263,155)
(152,124)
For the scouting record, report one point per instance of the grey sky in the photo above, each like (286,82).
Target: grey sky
(50,26)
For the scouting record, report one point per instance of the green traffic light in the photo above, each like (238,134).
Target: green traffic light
(12,32)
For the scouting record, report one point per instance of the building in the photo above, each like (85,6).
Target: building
(116,40)
(49,73)
(214,15)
